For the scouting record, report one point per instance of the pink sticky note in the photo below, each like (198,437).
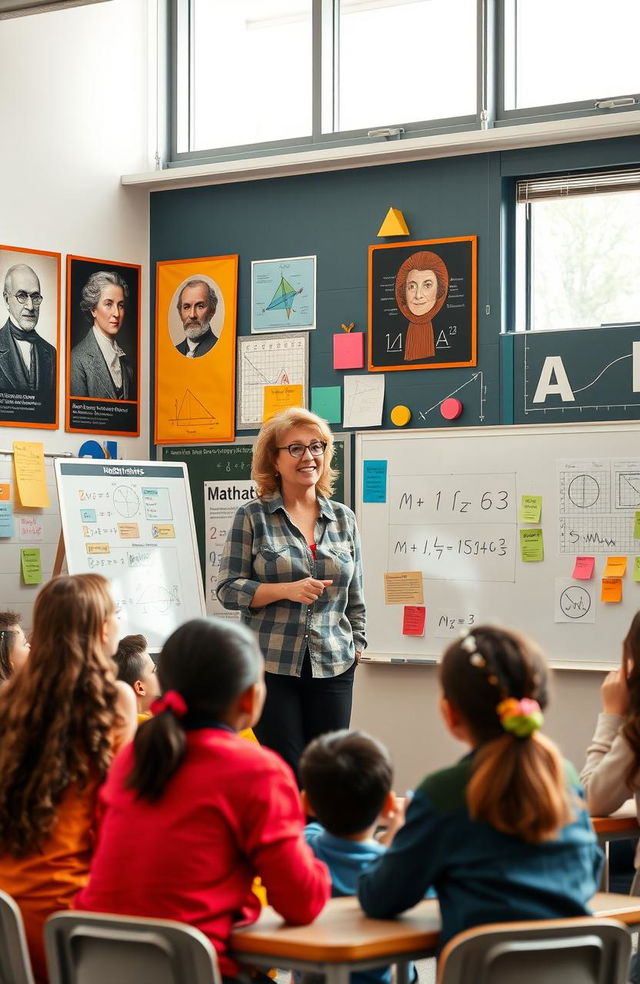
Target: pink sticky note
(348,350)
(583,569)
(414,619)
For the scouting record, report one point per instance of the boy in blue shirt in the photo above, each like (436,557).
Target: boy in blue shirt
(346,778)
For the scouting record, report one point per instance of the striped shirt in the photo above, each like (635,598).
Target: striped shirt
(265,546)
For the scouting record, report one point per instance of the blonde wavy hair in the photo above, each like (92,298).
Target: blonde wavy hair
(271,437)
(57,713)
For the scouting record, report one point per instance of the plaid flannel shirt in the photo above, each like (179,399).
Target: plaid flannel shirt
(264,545)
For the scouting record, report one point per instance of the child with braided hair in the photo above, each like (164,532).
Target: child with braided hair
(503,835)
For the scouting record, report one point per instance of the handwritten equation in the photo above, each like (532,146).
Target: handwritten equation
(483,552)
(459,499)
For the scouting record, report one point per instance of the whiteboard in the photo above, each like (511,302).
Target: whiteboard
(132,521)
(33,528)
(451,511)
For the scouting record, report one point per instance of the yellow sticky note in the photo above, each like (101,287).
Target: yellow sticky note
(636,568)
(531,545)
(611,589)
(28,461)
(636,526)
(403,588)
(31,565)
(615,567)
(277,398)
(530,508)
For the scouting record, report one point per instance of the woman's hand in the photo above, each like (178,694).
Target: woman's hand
(615,693)
(307,590)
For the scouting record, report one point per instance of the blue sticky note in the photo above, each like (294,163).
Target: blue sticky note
(325,401)
(374,481)
(7,525)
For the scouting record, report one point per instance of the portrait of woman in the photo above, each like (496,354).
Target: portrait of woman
(292,567)
(100,368)
(422,284)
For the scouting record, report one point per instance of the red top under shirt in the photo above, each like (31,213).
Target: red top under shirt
(229,813)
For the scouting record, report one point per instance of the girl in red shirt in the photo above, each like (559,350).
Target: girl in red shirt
(193,813)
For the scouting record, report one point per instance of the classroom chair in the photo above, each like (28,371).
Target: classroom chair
(15,965)
(92,948)
(583,950)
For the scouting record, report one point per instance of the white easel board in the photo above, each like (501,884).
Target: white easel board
(448,506)
(132,521)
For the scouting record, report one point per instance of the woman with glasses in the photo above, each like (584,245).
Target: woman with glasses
(62,718)
(291,566)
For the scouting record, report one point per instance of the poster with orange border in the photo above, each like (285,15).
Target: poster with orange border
(423,304)
(103,325)
(30,281)
(195,350)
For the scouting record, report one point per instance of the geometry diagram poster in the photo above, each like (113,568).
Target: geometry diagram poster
(196,349)
(422,304)
(283,294)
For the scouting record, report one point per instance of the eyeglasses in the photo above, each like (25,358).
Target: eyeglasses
(22,296)
(317,449)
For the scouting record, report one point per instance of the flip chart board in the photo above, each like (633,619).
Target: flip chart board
(519,525)
(133,522)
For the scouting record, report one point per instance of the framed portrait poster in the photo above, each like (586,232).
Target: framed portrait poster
(196,350)
(103,347)
(29,337)
(423,304)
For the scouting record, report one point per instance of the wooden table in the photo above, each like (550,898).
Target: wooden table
(343,939)
(621,825)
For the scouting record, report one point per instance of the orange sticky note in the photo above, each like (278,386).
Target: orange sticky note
(583,569)
(5,491)
(413,621)
(277,398)
(615,567)
(348,350)
(611,589)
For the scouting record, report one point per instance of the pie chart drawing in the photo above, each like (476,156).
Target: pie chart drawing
(584,491)
(126,501)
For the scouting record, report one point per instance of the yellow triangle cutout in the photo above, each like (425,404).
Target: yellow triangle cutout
(394,224)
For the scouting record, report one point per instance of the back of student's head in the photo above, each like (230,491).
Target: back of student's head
(204,666)
(492,677)
(7,622)
(631,670)
(346,776)
(57,714)
(128,657)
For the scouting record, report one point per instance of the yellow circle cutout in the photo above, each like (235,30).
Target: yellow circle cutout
(400,415)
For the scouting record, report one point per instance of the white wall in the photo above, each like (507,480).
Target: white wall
(399,704)
(73,118)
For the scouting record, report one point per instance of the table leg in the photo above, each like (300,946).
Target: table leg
(337,974)
(604,882)
(402,972)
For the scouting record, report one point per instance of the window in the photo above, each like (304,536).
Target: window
(562,52)
(252,77)
(578,251)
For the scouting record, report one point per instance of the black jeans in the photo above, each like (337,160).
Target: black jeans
(298,709)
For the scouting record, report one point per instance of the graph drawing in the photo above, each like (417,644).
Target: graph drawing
(271,360)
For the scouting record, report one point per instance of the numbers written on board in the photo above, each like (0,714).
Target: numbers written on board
(458,501)
(467,547)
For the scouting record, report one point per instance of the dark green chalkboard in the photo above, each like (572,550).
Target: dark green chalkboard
(206,463)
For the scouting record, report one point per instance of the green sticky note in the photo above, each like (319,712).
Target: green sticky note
(636,527)
(531,545)
(325,401)
(530,508)
(636,568)
(31,565)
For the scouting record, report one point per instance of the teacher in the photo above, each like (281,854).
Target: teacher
(291,566)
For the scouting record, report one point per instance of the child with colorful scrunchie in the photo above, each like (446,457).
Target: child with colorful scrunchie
(503,835)
(193,812)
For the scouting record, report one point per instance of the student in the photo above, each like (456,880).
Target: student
(346,778)
(213,810)
(136,667)
(14,648)
(62,717)
(503,835)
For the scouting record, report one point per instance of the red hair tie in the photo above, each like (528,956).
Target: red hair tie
(171,701)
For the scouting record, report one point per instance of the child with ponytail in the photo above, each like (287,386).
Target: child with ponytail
(193,812)
(504,834)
